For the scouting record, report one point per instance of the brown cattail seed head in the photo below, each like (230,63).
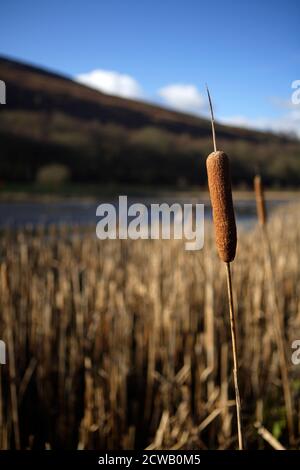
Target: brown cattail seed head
(219,183)
(260,200)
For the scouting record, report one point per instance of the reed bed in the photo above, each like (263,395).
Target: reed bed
(126,344)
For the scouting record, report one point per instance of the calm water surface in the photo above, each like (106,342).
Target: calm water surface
(18,214)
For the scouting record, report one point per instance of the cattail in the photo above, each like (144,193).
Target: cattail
(260,200)
(219,183)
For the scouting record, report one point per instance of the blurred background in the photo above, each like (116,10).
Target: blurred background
(109,98)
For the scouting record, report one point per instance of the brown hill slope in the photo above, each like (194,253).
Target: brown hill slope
(52,119)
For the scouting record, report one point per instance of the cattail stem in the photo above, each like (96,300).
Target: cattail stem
(235,358)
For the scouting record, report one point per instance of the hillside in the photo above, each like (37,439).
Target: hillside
(94,137)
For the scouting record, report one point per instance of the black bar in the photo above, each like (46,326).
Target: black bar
(147,459)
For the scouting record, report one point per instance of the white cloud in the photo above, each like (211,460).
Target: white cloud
(183,97)
(288,123)
(281,103)
(112,83)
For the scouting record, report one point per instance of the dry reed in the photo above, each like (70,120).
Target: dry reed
(84,317)
(278,321)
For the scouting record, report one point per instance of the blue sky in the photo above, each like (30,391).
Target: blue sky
(165,51)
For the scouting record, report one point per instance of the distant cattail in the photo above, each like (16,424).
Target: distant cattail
(219,183)
(277,313)
(260,200)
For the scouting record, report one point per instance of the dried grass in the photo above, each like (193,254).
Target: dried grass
(126,344)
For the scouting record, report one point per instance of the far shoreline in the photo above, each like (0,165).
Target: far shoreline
(93,193)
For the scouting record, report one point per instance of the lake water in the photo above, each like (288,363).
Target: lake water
(70,212)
